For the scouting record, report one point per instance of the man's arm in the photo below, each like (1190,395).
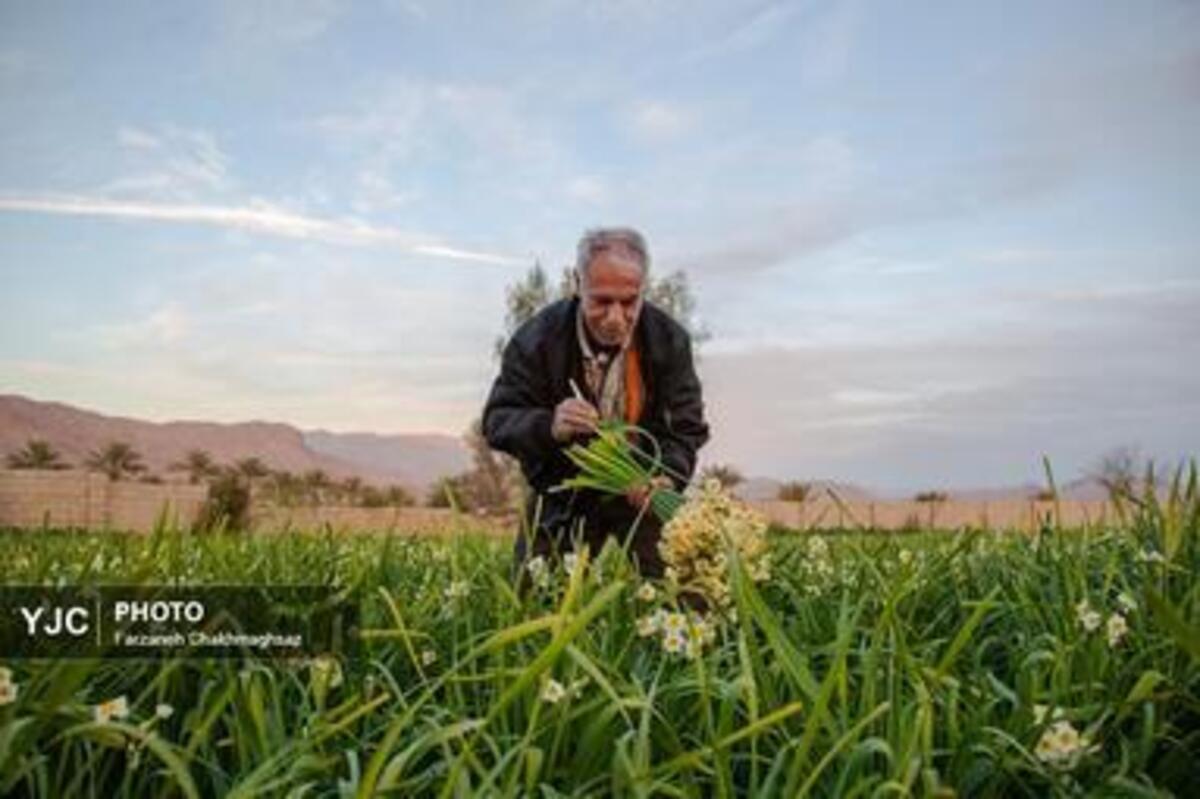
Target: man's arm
(517,416)
(682,429)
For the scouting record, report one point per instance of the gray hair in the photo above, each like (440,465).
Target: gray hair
(622,239)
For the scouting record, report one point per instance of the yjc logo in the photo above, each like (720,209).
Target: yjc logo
(55,621)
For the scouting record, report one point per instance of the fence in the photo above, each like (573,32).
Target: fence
(92,501)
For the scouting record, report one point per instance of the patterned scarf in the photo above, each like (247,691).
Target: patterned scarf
(613,380)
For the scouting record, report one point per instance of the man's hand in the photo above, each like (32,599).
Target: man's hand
(573,417)
(640,495)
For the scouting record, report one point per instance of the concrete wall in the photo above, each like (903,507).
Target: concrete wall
(1014,514)
(84,499)
(92,501)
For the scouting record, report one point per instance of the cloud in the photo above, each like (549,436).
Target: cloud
(826,46)
(985,403)
(137,139)
(375,192)
(169,163)
(747,34)
(276,22)
(168,324)
(657,121)
(475,122)
(259,217)
(587,189)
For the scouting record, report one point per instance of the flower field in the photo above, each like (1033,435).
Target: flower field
(970,664)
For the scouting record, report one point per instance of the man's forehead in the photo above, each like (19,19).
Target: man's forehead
(614,267)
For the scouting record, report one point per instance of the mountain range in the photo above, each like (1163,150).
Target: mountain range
(415,461)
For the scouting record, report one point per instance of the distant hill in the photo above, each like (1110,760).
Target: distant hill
(413,460)
(755,489)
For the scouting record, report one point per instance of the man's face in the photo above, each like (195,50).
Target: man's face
(612,297)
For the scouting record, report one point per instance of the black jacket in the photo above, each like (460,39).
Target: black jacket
(540,359)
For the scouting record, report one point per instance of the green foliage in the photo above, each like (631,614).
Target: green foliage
(450,491)
(36,454)
(725,474)
(227,506)
(393,496)
(199,465)
(795,491)
(928,664)
(117,460)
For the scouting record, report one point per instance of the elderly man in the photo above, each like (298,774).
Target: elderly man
(630,361)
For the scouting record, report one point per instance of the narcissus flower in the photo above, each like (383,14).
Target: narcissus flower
(1088,618)
(1062,746)
(553,691)
(458,589)
(538,572)
(327,669)
(650,624)
(112,709)
(8,693)
(646,592)
(1116,629)
(697,541)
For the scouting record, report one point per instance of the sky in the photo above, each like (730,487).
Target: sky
(931,241)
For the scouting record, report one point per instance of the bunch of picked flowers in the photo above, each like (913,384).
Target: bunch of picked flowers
(700,529)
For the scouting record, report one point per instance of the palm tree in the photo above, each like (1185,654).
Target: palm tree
(795,491)
(725,474)
(316,481)
(286,487)
(398,496)
(37,454)
(352,487)
(116,460)
(198,464)
(252,468)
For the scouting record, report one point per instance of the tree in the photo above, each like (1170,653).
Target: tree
(931,496)
(198,464)
(523,299)
(118,459)
(287,488)
(37,454)
(494,482)
(351,488)
(394,496)
(316,483)
(674,295)
(795,491)
(1117,470)
(252,468)
(227,506)
(725,474)
(449,491)
(398,496)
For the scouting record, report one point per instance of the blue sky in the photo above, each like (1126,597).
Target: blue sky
(932,241)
